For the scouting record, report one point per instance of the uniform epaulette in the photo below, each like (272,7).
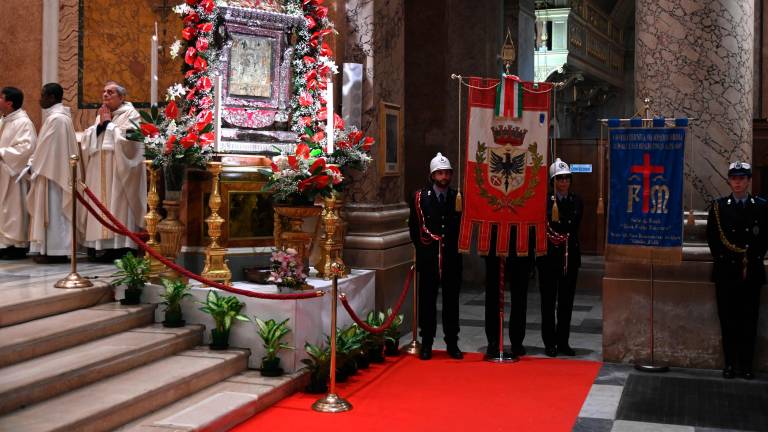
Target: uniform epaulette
(760,200)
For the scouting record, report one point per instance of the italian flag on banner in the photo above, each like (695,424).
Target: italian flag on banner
(509,97)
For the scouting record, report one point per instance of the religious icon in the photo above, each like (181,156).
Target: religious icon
(250,67)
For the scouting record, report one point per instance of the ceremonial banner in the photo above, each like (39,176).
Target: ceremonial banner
(645,219)
(505,174)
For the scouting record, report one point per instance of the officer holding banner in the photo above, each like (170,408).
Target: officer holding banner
(559,269)
(434,227)
(738,238)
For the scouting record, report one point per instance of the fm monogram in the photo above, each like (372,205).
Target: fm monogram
(654,197)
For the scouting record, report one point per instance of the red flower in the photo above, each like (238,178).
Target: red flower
(305,99)
(191,19)
(336,174)
(274,167)
(321,11)
(355,136)
(188,33)
(208,5)
(305,121)
(311,23)
(204,83)
(169,144)
(302,151)
(191,94)
(338,122)
(317,166)
(192,2)
(322,113)
(318,137)
(325,32)
(207,139)
(171,111)
(206,102)
(205,27)
(316,182)
(148,129)
(324,70)
(292,162)
(188,141)
(325,50)
(205,117)
(201,45)
(341,144)
(190,56)
(309,60)
(367,143)
(200,64)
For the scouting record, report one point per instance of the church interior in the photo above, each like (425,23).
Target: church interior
(248,240)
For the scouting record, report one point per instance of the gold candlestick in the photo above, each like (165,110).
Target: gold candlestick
(215,256)
(152,218)
(331,247)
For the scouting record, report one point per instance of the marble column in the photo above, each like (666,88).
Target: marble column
(375,209)
(696,59)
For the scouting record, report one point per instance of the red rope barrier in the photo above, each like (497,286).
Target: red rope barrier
(106,224)
(390,319)
(123,230)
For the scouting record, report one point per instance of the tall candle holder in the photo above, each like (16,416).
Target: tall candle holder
(151,219)
(331,247)
(216,268)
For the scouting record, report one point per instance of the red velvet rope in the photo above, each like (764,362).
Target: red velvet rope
(390,319)
(122,230)
(101,220)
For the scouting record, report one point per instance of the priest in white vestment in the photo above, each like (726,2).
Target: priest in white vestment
(50,194)
(115,172)
(17,142)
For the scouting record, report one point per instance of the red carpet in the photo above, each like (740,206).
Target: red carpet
(407,394)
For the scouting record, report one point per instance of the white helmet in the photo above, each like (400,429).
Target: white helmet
(558,167)
(439,162)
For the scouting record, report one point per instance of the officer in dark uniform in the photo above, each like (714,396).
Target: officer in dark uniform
(434,228)
(737,237)
(559,269)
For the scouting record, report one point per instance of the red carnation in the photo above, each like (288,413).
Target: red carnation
(200,64)
(205,27)
(148,129)
(355,136)
(305,99)
(204,83)
(208,5)
(188,33)
(190,57)
(171,111)
(191,19)
(169,144)
(302,151)
(202,44)
(188,141)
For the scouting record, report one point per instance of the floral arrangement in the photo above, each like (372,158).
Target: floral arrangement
(352,149)
(183,133)
(287,270)
(299,177)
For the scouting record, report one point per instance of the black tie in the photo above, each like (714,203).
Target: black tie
(441,198)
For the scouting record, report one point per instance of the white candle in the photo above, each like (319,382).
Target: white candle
(329,131)
(153,71)
(217,110)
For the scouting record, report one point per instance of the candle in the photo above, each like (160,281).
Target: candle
(329,131)
(153,71)
(217,110)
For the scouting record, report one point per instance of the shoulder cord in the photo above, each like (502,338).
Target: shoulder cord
(426,237)
(558,239)
(728,245)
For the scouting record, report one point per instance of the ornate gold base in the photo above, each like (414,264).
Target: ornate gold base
(216,268)
(331,403)
(412,348)
(73,280)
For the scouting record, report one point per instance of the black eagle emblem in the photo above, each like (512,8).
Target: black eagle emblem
(507,166)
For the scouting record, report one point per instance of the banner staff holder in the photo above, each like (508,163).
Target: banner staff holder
(414,347)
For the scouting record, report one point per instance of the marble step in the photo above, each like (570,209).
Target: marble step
(27,301)
(45,335)
(221,406)
(44,377)
(115,401)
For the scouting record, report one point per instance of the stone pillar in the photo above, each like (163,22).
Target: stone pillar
(375,209)
(696,59)
(520,20)
(693,59)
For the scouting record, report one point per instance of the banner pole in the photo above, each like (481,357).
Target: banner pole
(73,279)
(652,367)
(333,403)
(414,347)
(501,357)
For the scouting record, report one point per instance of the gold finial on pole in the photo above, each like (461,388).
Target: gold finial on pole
(414,347)
(332,402)
(152,218)
(73,279)
(215,256)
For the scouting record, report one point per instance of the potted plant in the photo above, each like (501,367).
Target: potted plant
(133,272)
(375,342)
(319,366)
(224,311)
(272,333)
(176,290)
(348,342)
(392,336)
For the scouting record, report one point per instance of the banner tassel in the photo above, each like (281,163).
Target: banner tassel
(459,204)
(555,210)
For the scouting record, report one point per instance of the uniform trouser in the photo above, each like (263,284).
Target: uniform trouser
(429,285)
(517,273)
(557,292)
(738,305)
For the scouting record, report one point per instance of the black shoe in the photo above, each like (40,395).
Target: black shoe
(492,351)
(747,375)
(454,352)
(14,253)
(426,352)
(550,351)
(728,372)
(566,350)
(518,351)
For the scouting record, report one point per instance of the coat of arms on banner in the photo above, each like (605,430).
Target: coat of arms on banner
(505,183)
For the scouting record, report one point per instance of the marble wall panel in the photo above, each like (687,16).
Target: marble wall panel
(20,59)
(696,59)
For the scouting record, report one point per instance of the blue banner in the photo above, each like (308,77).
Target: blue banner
(646,189)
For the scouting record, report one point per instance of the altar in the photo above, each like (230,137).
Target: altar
(310,319)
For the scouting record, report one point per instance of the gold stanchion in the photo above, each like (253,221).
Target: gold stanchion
(331,247)
(73,279)
(215,264)
(414,347)
(152,218)
(332,402)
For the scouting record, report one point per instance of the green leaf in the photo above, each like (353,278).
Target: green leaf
(146,117)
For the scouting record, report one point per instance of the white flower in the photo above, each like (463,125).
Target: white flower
(182,8)
(175,91)
(175,48)
(291,251)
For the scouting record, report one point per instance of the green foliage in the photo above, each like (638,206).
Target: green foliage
(393,332)
(271,333)
(223,310)
(133,271)
(319,362)
(176,290)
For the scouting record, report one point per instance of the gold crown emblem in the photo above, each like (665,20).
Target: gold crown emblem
(508,134)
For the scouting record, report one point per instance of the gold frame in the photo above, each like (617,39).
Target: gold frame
(387,109)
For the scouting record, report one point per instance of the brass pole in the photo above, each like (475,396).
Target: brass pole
(332,402)
(414,347)
(73,279)
(501,356)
